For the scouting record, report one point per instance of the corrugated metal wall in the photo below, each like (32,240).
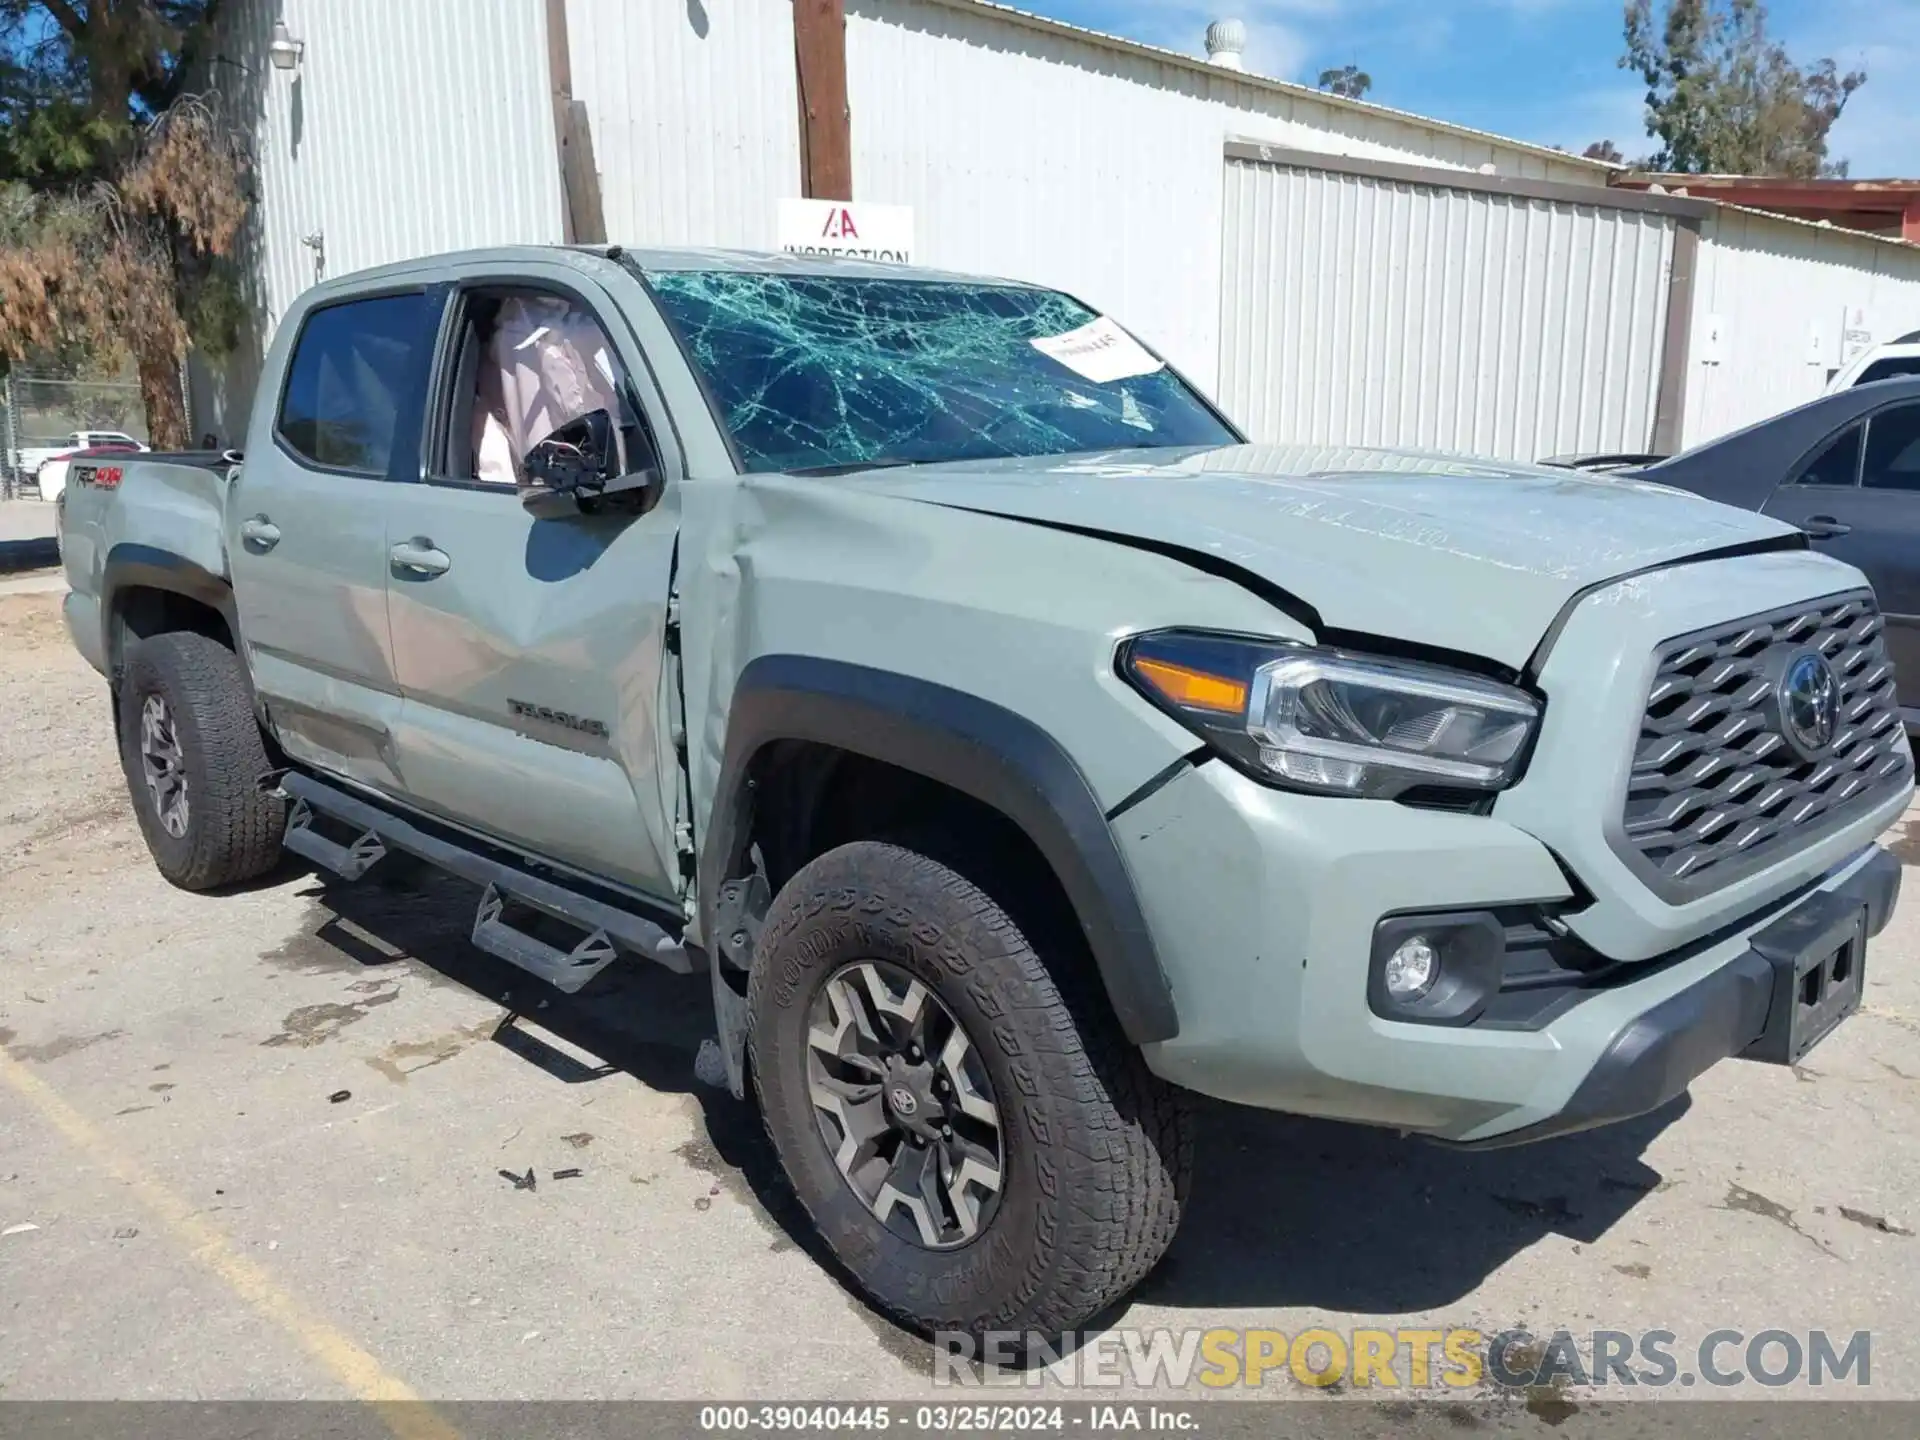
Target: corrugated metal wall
(1025,152)
(1365,311)
(695,116)
(1774,286)
(408,128)
(1036,151)
(1051,157)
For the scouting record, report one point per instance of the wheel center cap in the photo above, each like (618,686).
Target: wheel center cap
(911,1103)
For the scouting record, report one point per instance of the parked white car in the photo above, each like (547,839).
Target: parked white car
(33,457)
(1882,362)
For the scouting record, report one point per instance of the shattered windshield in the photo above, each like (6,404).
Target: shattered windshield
(812,372)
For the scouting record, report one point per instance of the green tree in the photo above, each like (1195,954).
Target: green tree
(1605,150)
(1723,97)
(1349,81)
(121,196)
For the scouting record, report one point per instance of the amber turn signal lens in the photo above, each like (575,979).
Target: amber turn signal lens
(1194,689)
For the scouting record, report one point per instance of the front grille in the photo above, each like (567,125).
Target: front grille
(1716,789)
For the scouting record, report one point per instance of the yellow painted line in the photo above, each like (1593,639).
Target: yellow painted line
(404,1413)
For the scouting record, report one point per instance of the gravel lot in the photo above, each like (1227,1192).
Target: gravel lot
(265,1142)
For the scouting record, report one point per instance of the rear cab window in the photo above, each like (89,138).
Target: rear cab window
(355,380)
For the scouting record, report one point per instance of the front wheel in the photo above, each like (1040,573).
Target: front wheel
(193,757)
(983,1150)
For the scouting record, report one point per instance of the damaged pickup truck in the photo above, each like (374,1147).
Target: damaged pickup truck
(1014,747)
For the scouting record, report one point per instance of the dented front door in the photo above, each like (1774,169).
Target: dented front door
(531,671)
(532,653)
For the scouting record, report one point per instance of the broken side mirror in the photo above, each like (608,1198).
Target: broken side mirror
(574,461)
(585,460)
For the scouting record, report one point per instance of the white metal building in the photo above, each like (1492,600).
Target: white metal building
(1337,272)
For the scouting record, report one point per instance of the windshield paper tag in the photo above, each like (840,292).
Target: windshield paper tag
(1100,351)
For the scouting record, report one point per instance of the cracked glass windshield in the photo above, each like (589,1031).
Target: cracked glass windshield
(828,373)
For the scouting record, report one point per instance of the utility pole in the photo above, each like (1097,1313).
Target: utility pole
(826,126)
(582,220)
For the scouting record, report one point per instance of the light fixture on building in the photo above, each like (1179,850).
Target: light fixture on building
(284,50)
(1226,43)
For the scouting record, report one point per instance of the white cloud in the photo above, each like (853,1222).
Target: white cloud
(1277,42)
(1611,112)
(1879,134)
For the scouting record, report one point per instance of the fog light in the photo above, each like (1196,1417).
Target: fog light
(1411,970)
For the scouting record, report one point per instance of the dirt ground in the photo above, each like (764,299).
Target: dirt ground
(304,1141)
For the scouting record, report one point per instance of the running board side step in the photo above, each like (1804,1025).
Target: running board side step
(609,930)
(567,971)
(351,861)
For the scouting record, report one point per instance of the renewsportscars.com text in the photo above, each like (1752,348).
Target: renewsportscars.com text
(1449,1360)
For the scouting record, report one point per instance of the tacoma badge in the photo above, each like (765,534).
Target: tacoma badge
(521,710)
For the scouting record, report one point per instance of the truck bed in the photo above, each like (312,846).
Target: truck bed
(121,512)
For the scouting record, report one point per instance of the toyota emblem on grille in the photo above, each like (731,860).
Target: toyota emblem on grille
(1809,701)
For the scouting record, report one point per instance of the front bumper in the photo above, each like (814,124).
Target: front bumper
(1263,905)
(1728,1013)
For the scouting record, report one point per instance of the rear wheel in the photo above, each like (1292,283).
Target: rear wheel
(194,756)
(979,1145)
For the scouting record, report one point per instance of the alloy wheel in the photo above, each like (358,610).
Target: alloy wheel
(904,1104)
(164,766)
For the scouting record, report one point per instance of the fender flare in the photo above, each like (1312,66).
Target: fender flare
(971,745)
(131,565)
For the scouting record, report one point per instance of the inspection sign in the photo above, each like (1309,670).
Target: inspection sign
(853,229)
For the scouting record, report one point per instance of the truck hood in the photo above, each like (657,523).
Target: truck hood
(1467,555)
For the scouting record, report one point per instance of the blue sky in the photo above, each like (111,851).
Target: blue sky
(1540,70)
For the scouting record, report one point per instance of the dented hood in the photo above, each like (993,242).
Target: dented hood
(1472,556)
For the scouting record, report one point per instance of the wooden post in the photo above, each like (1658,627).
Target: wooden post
(582,222)
(1670,401)
(9,433)
(826,127)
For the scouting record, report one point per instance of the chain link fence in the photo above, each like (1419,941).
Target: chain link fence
(40,413)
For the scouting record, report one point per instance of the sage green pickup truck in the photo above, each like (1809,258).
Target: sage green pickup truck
(1014,747)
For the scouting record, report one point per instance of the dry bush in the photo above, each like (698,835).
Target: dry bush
(109,269)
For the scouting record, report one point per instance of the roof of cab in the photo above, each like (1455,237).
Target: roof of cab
(745,262)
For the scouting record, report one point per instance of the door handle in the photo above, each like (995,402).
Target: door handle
(421,557)
(260,532)
(1825,527)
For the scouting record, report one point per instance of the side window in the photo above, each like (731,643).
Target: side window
(353,367)
(1835,463)
(1890,369)
(529,363)
(1893,449)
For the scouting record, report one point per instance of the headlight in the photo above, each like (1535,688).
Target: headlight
(1334,722)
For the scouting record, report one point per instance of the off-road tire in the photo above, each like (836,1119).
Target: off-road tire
(1097,1149)
(233,831)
